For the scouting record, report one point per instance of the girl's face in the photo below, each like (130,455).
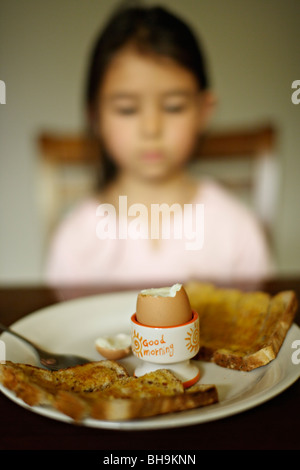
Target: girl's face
(150,113)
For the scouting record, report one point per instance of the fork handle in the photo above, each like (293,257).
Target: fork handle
(14,333)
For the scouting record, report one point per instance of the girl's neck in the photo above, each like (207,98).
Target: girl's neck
(178,188)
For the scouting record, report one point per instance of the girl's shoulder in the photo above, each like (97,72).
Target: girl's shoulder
(81,210)
(78,218)
(214,194)
(223,205)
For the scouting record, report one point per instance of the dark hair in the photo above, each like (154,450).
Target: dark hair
(151,30)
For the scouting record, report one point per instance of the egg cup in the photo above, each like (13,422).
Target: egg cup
(170,348)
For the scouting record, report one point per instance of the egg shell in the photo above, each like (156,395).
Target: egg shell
(162,311)
(114,348)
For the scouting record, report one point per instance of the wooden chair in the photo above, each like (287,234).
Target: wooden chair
(244,160)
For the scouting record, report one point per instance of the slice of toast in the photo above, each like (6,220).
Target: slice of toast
(153,394)
(104,390)
(38,386)
(241,330)
(155,404)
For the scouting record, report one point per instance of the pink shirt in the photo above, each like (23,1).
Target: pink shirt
(234,248)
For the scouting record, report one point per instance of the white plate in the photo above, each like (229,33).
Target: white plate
(73,326)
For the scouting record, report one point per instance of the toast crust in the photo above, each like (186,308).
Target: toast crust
(241,330)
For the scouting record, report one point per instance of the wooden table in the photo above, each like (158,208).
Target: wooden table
(272,425)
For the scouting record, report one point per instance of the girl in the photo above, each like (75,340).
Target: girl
(148,101)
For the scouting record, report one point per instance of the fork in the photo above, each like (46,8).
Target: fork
(48,359)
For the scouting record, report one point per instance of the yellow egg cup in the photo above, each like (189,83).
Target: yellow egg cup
(170,348)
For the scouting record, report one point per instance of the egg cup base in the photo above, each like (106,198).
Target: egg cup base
(186,371)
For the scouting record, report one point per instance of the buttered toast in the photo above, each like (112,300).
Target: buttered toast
(38,386)
(241,330)
(104,390)
(153,394)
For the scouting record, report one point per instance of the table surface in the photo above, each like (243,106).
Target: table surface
(271,425)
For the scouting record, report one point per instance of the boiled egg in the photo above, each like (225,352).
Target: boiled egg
(163,306)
